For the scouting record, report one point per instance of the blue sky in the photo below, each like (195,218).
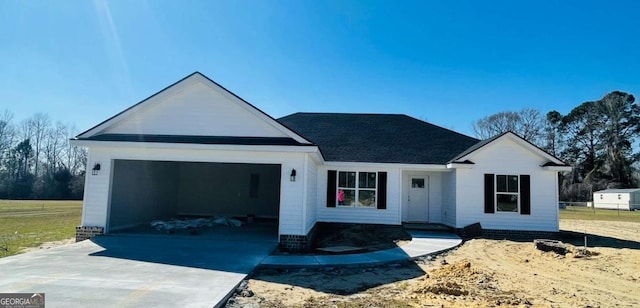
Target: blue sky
(446,62)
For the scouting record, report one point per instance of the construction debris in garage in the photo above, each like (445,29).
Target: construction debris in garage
(170,226)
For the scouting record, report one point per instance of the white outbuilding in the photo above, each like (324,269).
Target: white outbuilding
(617,199)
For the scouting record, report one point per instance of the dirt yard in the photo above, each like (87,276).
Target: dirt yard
(480,273)
(48,245)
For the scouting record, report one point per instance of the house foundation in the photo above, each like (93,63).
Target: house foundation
(84,232)
(298,243)
(519,234)
(506,234)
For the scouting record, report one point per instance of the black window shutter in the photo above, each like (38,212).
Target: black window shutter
(382,191)
(331,188)
(525,194)
(489,194)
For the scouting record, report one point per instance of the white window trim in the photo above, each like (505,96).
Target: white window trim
(496,193)
(357,190)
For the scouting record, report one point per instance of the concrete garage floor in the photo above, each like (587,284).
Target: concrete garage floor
(135,271)
(258,231)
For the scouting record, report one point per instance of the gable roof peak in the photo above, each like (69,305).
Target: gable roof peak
(517,138)
(176,87)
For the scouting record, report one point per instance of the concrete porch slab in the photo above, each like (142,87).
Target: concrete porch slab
(422,243)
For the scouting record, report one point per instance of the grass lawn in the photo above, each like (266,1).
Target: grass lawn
(30,223)
(587,213)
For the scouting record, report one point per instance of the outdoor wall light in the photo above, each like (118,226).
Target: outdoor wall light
(95,169)
(293,175)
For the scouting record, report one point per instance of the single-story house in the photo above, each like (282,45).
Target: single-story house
(195,148)
(617,199)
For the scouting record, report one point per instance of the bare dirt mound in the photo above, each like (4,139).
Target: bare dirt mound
(462,282)
(480,273)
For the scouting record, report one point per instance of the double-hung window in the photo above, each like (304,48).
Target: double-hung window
(507,193)
(356,189)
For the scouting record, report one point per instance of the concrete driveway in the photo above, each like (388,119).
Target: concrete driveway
(134,271)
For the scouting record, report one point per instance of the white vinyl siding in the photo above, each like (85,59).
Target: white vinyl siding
(311,177)
(505,156)
(449,198)
(198,109)
(391,215)
(97,189)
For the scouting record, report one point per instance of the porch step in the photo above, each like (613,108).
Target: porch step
(426,226)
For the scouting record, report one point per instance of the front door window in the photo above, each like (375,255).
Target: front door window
(417,183)
(418,199)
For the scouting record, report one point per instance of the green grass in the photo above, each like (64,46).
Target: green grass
(587,213)
(29,223)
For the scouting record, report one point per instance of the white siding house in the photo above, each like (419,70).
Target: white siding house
(617,199)
(508,155)
(197,149)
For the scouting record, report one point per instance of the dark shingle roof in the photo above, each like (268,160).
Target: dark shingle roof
(195,139)
(474,147)
(378,138)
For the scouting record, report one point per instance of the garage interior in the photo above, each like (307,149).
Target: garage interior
(146,191)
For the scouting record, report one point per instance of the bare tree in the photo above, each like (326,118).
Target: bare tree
(495,124)
(37,159)
(55,145)
(25,130)
(528,123)
(75,157)
(531,125)
(7,132)
(36,129)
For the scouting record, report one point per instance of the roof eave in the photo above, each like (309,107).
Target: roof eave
(187,146)
(557,168)
(460,165)
(406,166)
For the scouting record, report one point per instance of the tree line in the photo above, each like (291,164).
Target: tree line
(596,138)
(37,160)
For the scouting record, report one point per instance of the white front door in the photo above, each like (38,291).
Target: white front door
(418,199)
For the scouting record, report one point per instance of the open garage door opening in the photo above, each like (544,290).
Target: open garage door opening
(143,192)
